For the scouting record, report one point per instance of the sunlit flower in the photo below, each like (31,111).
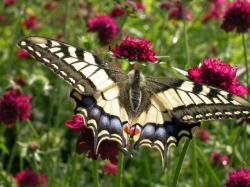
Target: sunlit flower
(50,5)
(219,159)
(23,54)
(13,107)
(117,11)
(202,134)
(28,178)
(105,26)
(215,10)
(9,2)
(85,142)
(238,178)
(30,22)
(237,16)
(135,49)
(110,168)
(215,72)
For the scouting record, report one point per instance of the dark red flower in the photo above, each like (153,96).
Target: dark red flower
(166,5)
(202,134)
(214,11)
(117,11)
(77,123)
(23,54)
(9,2)
(110,168)
(218,159)
(2,19)
(85,142)
(28,178)
(215,72)
(105,26)
(238,178)
(30,22)
(50,5)
(237,16)
(135,49)
(13,107)
(135,5)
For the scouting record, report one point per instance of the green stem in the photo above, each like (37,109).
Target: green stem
(194,164)
(120,169)
(95,173)
(32,128)
(178,167)
(245,59)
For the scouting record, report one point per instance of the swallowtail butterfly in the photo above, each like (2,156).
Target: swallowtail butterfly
(125,107)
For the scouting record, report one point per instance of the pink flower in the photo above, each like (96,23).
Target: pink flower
(238,178)
(202,134)
(9,2)
(219,159)
(13,107)
(215,10)
(77,123)
(33,146)
(85,142)
(135,5)
(135,49)
(117,11)
(50,5)
(237,16)
(215,72)
(28,178)
(23,54)
(110,168)
(105,26)
(30,22)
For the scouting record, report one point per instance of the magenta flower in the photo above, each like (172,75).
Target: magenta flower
(85,142)
(215,72)
(237,16)
(105,26)
(117,11)
(110,168)
(135,49)
(215,10)
(238,178)
(9,2)
(51,5)
(30,22)
(202,134)
(218,159)
(13,107)
(28,178)
(23,54)
(135,5)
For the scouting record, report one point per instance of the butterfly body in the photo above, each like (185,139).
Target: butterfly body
(118,106)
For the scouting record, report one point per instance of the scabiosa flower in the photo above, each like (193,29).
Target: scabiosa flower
(105,26)
(202,134)
(215,72)
(237,16)
(117,11)
(13,107)
(135,49)
(50,5)
(30,22)
(238,178)
(28,178)
(23,54)
(218,159)
(85,142)
(215,10)
(110,168)
(9,2)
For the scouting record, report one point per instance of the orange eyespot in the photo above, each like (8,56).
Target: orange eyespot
(132,131)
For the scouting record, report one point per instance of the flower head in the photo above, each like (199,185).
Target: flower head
(135,49)
(28,178)
(219,159)
(85,142)
(203,134)
(215,72)
(135,5)
(214,11)
(238,178)
(30,22)
(105,26)
(237,16)
(117,11)
(9,2)
(23,54)
(110,168)
(50,5)
(13,107)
